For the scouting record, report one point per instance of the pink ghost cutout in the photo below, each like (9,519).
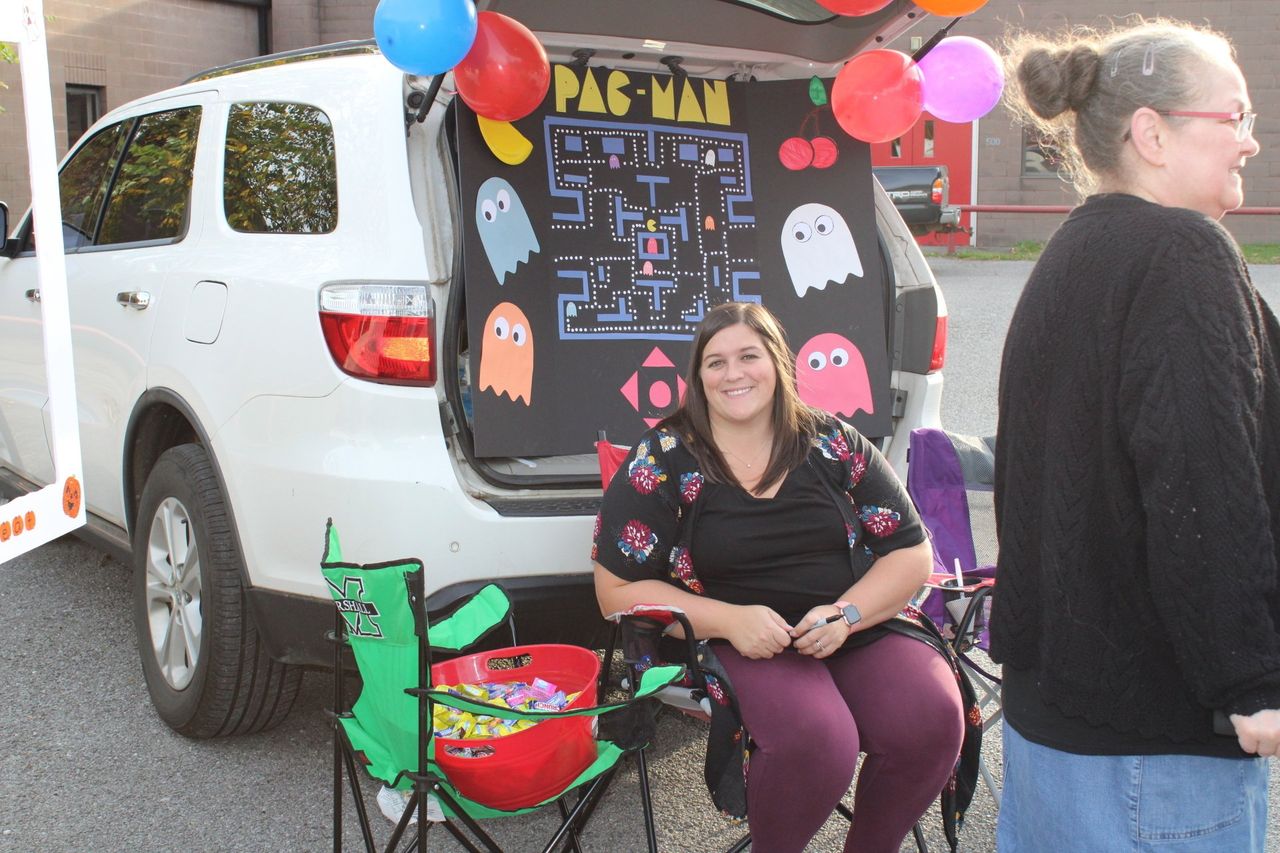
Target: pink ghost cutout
(832,375)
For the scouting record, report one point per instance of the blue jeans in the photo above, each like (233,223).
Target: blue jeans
(1061,801)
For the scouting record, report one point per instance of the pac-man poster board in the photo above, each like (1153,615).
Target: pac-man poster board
(58,508)
(632,205)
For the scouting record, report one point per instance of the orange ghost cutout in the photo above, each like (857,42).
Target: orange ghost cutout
(506,353)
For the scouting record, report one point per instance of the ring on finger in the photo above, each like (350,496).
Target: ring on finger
(818,645)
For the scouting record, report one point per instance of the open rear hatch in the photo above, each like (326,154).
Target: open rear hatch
(660,176)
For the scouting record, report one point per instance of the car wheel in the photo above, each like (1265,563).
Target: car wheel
(205,665)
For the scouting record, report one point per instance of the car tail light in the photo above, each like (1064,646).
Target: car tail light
(936,195)
(380,331)
(939,354)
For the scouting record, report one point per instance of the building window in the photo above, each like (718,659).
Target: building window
(280,174)
(1040,158)
(928,138)
(84,107)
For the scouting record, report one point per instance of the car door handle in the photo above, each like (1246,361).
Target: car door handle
(136,299)
(33,294)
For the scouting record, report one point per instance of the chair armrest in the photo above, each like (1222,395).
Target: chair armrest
(485,610)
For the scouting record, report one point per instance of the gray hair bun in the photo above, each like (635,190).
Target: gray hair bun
(1054,81)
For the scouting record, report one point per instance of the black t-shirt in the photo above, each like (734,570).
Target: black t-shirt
(789,552)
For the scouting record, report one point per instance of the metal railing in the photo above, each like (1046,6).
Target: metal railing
(1067,208)
(1063,209)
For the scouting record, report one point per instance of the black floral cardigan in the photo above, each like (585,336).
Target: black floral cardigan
(645,527)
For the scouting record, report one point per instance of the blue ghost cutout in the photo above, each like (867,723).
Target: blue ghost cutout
(504,227)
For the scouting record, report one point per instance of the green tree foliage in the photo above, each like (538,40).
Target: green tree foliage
(9,55)
(280,173)
(151,194)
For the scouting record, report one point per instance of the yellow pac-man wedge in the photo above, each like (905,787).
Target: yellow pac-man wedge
(507,144)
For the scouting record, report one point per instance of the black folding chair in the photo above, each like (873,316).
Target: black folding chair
(644,635)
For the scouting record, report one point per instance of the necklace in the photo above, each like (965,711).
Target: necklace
(754,458)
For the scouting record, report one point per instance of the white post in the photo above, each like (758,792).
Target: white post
(56,509)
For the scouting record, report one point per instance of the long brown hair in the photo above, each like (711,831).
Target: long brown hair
(794,423)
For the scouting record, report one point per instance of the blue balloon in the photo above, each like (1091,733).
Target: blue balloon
(425,37)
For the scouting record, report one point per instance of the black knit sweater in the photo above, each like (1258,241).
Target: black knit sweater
(1138,479)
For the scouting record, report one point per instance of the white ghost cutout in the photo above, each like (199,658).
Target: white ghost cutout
(818,247)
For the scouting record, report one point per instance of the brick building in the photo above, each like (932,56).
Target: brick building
(104,53)
(1008,170)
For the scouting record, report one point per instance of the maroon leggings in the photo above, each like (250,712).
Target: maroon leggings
(895,699)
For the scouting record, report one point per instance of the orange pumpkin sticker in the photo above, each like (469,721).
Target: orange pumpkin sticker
(30,519)
(4,531)
(71,497)
(17,525)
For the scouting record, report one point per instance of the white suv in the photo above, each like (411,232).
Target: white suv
(266,284)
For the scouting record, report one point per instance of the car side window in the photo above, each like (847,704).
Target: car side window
(82,183)
(280,173)
(151,195)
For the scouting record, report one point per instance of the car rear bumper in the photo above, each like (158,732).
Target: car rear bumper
(374,459)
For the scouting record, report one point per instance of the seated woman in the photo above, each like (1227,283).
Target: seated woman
(789,541)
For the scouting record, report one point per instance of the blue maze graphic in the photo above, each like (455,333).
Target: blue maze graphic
(651,226)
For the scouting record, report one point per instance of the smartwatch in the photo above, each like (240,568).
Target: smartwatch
(849,613)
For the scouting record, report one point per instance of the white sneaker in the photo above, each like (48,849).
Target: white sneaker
(392,803)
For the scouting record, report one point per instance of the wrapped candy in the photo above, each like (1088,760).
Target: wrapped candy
(451,723)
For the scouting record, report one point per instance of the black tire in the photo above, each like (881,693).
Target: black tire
(229,686)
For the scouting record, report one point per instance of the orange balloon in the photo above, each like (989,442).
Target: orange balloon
(951,8)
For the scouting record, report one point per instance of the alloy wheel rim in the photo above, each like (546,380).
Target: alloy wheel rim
(173,603)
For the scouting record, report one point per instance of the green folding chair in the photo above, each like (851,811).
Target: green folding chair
(387,732)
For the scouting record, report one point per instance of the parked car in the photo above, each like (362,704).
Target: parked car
(922,195)
(265,277)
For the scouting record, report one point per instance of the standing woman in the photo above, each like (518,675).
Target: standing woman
(759,517)
(1138,466)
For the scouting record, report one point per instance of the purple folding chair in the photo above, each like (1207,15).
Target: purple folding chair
(937,483)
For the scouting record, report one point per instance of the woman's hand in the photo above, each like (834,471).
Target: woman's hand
(757,632)
(1259,734)
(822,641)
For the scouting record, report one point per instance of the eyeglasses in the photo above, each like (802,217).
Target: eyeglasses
(1243,121)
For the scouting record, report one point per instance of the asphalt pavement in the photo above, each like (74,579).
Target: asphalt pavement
(85,764)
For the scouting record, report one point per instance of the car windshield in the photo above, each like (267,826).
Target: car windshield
(804,11)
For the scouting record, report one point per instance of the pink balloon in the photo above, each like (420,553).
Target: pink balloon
(505,75)
(853,7)
(878,95)
(963,79)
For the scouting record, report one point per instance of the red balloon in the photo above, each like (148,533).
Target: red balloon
(505,75)
(853,7)
(878,95)
(949,8)
(795,153)
(825,152)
